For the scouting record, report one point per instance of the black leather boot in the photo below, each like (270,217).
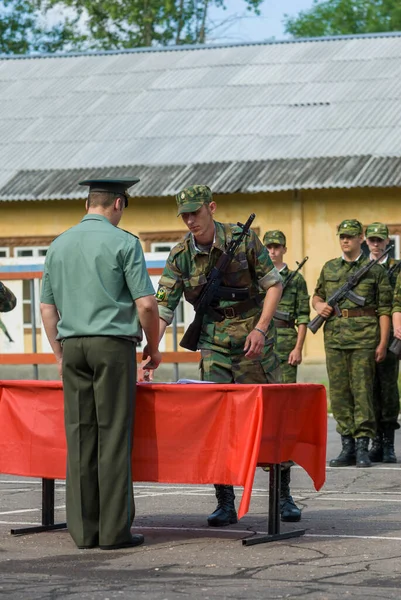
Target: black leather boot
(388,446)
(225,513)
(289,511)
(376,450)
(362,455)
(346,457)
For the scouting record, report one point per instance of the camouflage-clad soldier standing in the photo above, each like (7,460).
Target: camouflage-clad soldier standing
(237,338)
(386,395)
(354,342)
(294,301)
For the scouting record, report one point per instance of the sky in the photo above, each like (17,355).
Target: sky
(251,28)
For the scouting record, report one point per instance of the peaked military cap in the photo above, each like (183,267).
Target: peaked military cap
(275,236)
(350,227)
(379,230)
(116,186)
(190,199)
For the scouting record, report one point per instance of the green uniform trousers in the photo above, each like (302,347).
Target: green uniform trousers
(351,376)
(286,341)
(386,398)
(99,376)
(220,367)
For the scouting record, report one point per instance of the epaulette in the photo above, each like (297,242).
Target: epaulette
(133,234)
(179,247)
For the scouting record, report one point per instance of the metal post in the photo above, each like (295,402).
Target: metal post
(33,324)
(175,346)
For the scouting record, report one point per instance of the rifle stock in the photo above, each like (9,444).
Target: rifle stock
(395,347)
(191,336)
(316,323)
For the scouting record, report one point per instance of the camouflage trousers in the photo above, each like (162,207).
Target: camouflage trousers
(386,398)
(286,340)
(221,367)
(351,377)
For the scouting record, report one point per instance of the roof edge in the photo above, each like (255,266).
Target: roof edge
(184,47)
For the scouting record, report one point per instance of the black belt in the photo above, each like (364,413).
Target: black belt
(240,307)
(280,324)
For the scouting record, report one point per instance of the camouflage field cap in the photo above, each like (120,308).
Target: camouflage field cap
(274,237)
(350,227)
(191,198)
(379,230)
(116,186)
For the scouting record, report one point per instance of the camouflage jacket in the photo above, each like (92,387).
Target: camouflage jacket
(388,264)
(397,295)
(186,271)
(7,299)
(353,332)
(295,298)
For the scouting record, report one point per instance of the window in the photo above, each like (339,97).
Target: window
(23,252)
(162,246)
(30,251)
(4,252)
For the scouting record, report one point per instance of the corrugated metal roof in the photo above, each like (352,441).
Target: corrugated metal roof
(224,177)
(306,104)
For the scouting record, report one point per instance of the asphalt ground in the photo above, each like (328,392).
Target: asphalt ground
(351,549)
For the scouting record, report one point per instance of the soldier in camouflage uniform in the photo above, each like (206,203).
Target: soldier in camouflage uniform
(354,343)
(294,301)
(238,335)
(386,395)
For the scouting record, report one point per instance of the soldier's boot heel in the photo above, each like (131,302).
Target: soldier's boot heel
(362,455)
(347,456)
(376,450)
(388,447)
(225,513)
(289,511)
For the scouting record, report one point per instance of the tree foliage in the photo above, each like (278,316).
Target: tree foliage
(107,24)
(342,17)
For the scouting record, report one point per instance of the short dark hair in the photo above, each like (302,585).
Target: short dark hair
(104,199)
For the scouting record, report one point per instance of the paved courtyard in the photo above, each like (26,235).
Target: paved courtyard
(351,549)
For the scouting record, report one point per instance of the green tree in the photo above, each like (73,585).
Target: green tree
(23,30)
(342,17)
(117,24)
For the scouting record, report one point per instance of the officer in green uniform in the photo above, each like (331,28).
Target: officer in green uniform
(295,302)
(238,335)
(354,343)
(96,298)
(386,395)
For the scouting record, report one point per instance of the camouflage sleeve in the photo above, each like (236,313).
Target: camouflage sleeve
(384,296)
(320,289)
(397,295)
(303,308)
(7,299)
(266,273)
(169,291)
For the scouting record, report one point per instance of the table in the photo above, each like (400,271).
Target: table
(184,433)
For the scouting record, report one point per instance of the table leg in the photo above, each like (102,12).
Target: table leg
(273,524)
(48,523)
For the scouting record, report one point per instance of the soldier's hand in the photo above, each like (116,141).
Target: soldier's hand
(380,353)
(397,332)
(295,357)
(254,344)
(323,309)
(60,367)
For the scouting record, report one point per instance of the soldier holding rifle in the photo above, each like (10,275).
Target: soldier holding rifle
(236,332)
(293,312)
(385,392)
(353,297)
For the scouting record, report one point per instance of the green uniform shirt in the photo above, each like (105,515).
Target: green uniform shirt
(93,273)
(186,271)
(397,295)
(295,302)
(354,332)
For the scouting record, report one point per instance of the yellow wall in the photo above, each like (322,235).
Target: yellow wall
(308,218)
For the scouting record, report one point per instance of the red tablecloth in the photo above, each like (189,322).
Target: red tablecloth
(184,433)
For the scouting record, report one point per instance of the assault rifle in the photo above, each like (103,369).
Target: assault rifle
(392,270)
(280,314)
(345,291)
(210,291)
